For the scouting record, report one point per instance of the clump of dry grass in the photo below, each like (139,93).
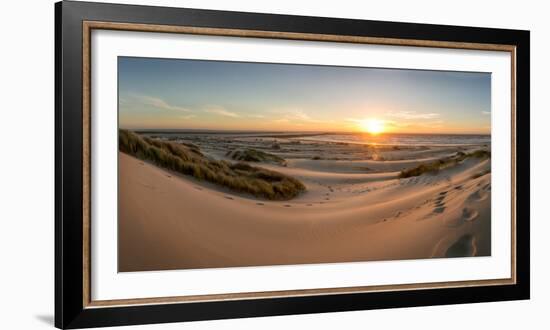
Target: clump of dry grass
(253,155)
(443,163)
(187,159)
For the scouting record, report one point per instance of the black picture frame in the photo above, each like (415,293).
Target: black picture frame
(70,310)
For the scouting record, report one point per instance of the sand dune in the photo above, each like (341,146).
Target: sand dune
(167,221)
(357,166)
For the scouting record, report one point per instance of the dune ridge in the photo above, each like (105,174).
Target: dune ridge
(187,159)
(173,221)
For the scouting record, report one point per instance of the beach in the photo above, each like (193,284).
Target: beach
(357,206)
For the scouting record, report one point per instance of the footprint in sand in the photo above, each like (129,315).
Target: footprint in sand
(198,188)
(459,187)
(228,197)
(168,176)
(327,199)
(440,203)
(469,214)
(309,204)
(260,204)
(465,246)
(439,200)
(478,196)
(439,209)
(287,205)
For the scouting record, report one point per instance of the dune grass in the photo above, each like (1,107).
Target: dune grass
(188,160)
(443,163)
(253,155)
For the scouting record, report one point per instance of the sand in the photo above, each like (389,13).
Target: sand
(353,210)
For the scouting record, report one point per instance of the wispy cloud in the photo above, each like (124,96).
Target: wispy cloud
(412,115)
(300,115)
(487,113)
(291,114)
(296,116)
(355,120)
(160,103)
(282,120)
(186,117)
(222,112)
(431,124)
(361,120)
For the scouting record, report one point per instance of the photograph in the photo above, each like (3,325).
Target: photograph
(228,163)
(234,164)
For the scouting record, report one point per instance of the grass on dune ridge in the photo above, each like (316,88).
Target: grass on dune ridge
(188,160)
(253,155)
(440,164)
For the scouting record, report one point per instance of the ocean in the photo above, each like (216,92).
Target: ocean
(405,139)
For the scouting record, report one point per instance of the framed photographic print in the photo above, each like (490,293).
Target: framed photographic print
(215,164)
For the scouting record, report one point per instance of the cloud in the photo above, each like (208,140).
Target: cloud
(385,121)
(355,120)
(412,115)
(283,120)
(292,114)
(487,113)
(222,112)
(300,115)
(296,116)
(393,123)
(186,117)
(161,104)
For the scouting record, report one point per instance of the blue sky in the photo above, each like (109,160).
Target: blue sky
(196,94)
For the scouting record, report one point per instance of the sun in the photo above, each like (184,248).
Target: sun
(372,126)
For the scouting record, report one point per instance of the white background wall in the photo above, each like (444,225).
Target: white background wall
(27,163)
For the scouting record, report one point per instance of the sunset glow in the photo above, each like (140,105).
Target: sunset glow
(372,126)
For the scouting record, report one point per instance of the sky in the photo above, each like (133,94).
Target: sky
(223,95)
